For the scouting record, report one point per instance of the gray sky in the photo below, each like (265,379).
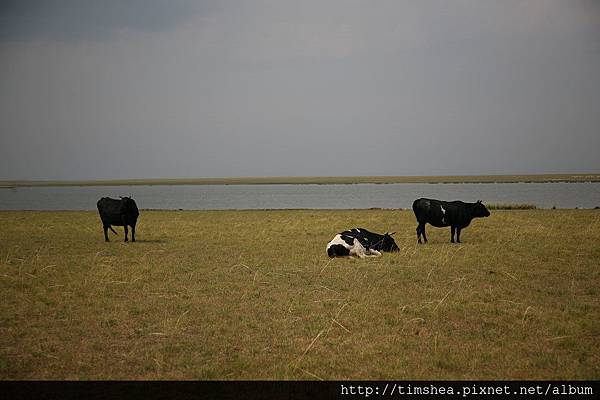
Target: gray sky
(150,89)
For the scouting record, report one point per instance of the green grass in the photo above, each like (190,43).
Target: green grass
(588,177)
(252,295)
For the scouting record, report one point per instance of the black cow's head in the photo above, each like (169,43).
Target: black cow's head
(479,210)
(388,243)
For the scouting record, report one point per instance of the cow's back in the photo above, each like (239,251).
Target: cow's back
(109,210)
(422,207)
(441,213)
(432,211)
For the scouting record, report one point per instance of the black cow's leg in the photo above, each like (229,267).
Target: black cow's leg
(457,235)
(421,231)
(126,232)
(452,229)
(105,233)
(133,233)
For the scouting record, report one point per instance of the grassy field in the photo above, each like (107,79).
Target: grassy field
(318,180)
(252,295)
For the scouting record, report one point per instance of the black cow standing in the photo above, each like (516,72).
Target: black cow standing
(122,212)
(455,214)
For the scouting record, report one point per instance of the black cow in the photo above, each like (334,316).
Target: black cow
(361,243)
(455,214)
(122,212)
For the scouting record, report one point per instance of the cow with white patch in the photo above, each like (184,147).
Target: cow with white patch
(359,242)
(455,214)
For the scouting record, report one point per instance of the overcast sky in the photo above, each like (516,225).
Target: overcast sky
(155,89)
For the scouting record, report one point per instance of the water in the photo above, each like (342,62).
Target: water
(221,197)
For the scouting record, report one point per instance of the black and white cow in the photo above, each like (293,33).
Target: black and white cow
(359,242)
(455,214)
(121,212)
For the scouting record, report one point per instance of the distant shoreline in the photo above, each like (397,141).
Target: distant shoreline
(331,180)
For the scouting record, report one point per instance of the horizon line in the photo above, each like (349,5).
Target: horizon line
(274,180)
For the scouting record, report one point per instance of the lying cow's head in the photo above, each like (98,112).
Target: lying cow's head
(387,243)
(479,210)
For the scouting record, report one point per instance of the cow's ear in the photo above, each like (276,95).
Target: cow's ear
(393,233)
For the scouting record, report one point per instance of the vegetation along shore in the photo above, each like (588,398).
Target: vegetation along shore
(545,178)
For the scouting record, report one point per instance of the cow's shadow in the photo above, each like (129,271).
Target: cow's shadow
(150,241)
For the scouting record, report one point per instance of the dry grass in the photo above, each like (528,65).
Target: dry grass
(252,295)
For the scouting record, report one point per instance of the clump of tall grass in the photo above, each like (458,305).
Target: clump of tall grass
(508,206)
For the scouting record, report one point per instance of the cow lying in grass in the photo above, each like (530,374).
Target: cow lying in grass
(359,242)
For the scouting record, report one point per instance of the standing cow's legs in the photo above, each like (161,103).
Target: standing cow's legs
(423,232)
(457,234)
(133,233)
(105,233)
(126,232)
(452,230)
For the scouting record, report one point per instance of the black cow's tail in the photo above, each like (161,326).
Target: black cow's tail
(111,228)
